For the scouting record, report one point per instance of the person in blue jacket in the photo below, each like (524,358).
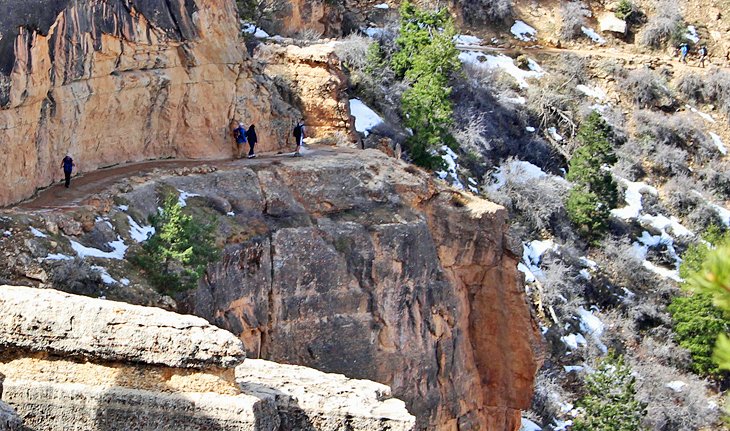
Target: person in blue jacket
(68,166)
(240,134)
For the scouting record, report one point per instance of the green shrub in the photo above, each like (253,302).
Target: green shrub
(624,9)
(176,257)
(697,321)
(426,57)
(595,192)
(610,403)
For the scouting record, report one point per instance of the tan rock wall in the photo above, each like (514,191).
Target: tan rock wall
(127,91)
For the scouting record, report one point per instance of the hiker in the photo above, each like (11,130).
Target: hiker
(683,50)
(703,55)
(252,140)
(299,136)
(240,134)
(68,166)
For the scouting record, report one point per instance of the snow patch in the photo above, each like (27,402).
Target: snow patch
(592,35)
(723,212)
(574,340)
(450,157)
(646,241)
(528,425)
(520,171)
(123,207)
(105,277)
(374,32)
(676,385)
(706,117)
(592,325)
(118,246)
(382,6)
(573,368)
(663,223)
(58,256)
(504,63)
(530,129)
(692,34)
(257,32)
(139,233)
(124,281)
(365,118)
(467,40)
(36,233)
(182,200)
(633,199)
(595,92)
(523,32)
(718,143)
(554,134)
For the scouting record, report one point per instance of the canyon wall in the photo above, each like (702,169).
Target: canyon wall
(75,363)
(118,81)
(356,263)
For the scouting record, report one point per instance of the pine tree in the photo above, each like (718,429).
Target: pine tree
(176,257)
(427,58)
(697,321)
(595,192)
(610,403)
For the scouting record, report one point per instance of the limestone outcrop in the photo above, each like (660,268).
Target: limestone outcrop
(355,263)
(313,74)
(53,390)
(118,81)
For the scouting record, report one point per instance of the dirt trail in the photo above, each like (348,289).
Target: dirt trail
(89,184)
(692,62)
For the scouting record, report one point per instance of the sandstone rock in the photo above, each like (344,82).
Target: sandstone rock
(368,268)
(51,321)
(315,76)
(608,22)
(309,400)
(119,81)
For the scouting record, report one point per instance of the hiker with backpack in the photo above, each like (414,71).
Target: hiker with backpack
(683,51)
(68,166)
(252,140)
(703,55)
(299,137)
(240,134)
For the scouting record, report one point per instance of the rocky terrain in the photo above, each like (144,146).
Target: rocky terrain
(348,262)
(71,362)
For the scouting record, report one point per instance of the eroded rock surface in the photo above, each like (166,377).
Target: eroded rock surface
(60,323)
(120,81)
(54,389)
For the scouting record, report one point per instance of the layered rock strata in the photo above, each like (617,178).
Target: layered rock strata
(116,81)
(173,388)
(356,263)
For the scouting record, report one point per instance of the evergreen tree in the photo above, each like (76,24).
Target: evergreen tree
(610,402)
(427,58)
(176,257)
(697,321)
(595,192)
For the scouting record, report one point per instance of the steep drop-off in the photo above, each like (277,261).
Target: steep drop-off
(119,81)
(357,264)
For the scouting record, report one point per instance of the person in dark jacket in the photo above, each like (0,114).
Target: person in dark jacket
(240,134)
(68,166)
(703,55)
(299,137)
(252,140)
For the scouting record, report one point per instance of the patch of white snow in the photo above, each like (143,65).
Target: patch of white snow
(382,6)
(573,340)
(504,63)
(633,199)
(36,233)
(450,174)
(105,277)
(256,31)
(58,256)
(718,143)
(523,32)
(554,134)
(595,92)
(676,385)
(365,118)
(592,35)
(118,246)
(706,117)
(528,425)
(467,40)
(139,233)
(182,200)
(692,34)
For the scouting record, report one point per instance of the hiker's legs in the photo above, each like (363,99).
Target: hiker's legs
(68,178)
(250,152)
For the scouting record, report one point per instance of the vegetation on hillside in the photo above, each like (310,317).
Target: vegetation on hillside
(177,255)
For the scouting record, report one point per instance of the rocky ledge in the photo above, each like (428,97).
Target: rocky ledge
(175,373)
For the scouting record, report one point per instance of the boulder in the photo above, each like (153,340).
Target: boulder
(41,320)
(608,22)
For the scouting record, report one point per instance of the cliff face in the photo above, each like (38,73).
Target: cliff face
(76,363)
(119,81)
(356,264)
